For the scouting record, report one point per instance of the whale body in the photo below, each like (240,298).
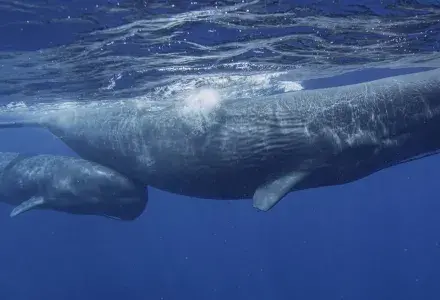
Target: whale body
(67,184)
(259,148)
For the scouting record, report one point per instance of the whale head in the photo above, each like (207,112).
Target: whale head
(103,191)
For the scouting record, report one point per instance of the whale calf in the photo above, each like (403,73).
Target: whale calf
(67,184)
(258,148)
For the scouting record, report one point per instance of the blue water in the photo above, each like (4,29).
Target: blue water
(377,238)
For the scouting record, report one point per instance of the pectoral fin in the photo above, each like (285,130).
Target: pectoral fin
(270,193)
(27,205)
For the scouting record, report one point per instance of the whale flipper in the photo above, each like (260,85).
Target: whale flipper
(270,193)
(27,205)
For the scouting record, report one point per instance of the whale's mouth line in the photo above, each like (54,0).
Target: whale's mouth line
(119,212)
(420,156)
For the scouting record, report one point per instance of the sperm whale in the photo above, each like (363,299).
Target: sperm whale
(67,184)
(261,148)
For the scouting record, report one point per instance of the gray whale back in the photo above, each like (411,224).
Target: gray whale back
(260,148)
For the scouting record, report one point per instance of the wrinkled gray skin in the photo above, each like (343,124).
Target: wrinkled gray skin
(261,148)
(67,184)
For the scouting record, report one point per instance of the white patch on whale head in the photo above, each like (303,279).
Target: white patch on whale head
(202,101)
(198,107)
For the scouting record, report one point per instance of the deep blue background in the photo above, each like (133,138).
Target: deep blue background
(377,238)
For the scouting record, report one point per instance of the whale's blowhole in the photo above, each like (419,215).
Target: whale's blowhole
(199,108)
(202,101)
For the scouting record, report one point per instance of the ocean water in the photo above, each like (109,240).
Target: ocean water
(377,238)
